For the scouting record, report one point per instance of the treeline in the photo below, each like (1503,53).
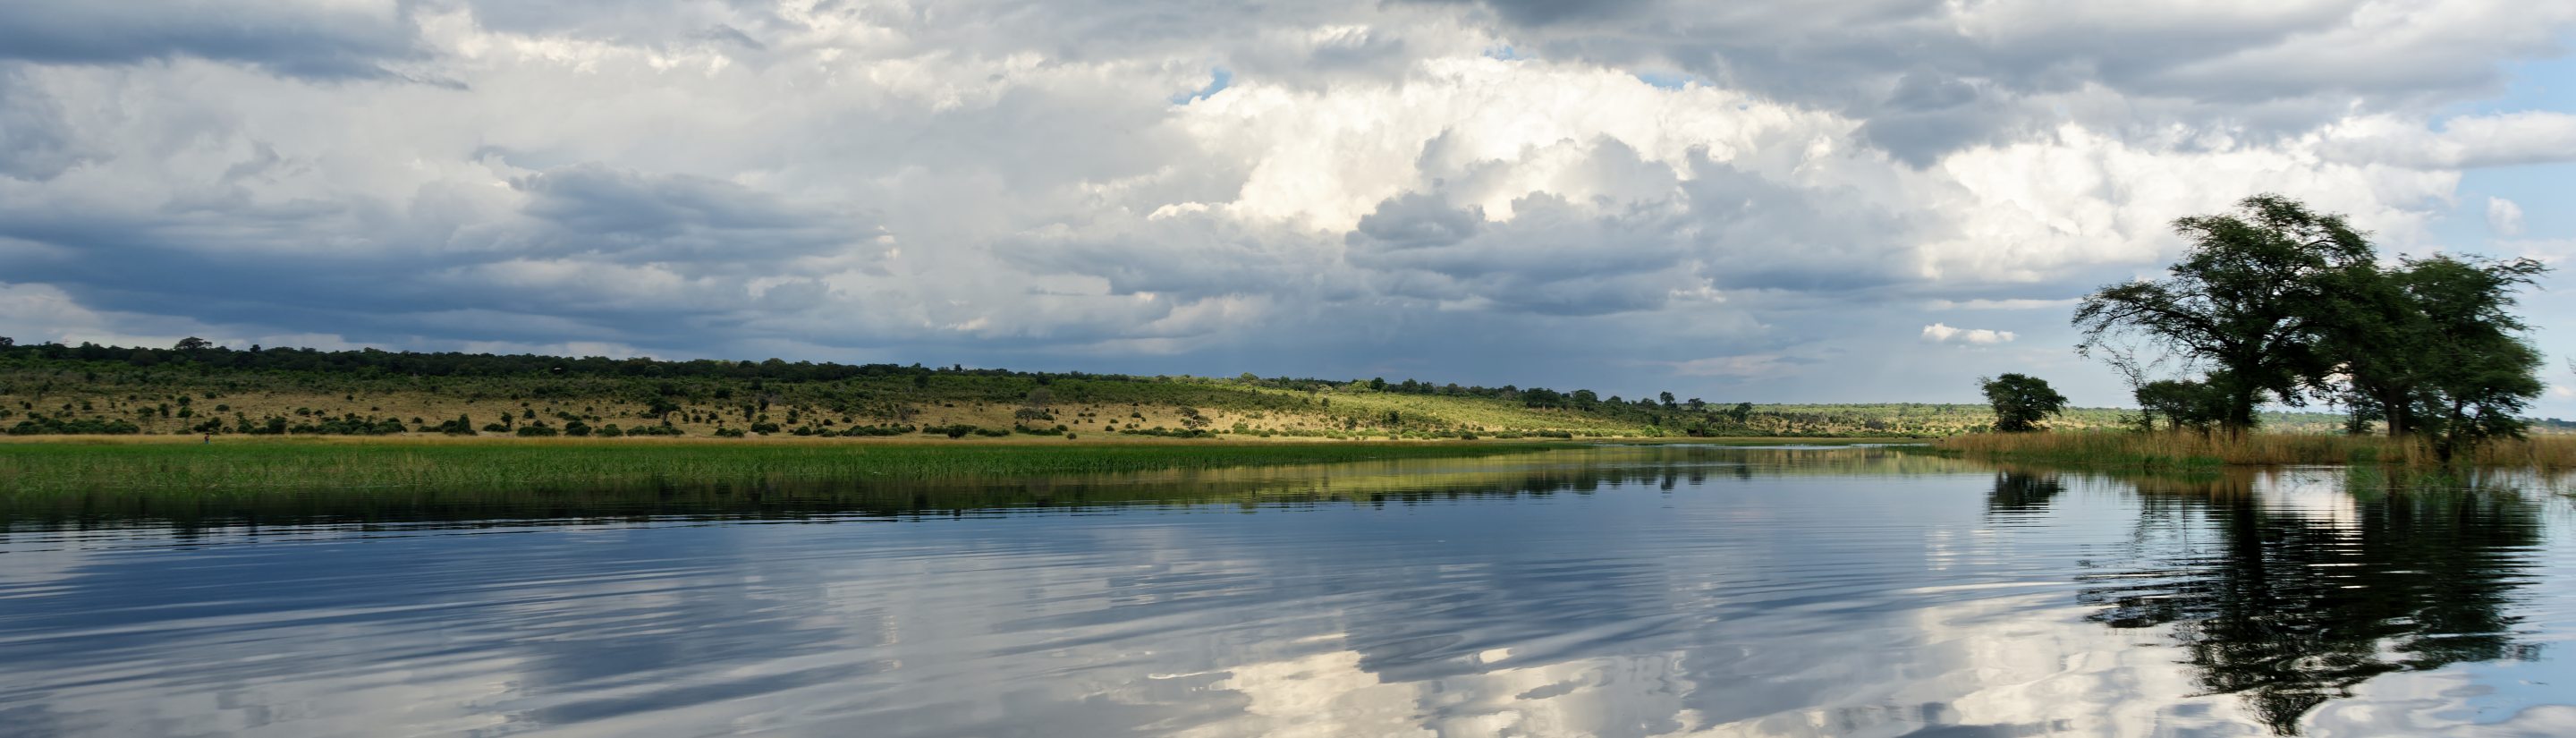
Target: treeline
(199,352)
(1537,397)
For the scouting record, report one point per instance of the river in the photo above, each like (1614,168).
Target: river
(1613,592)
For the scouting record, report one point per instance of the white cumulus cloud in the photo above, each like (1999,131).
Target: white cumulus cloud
(1941,333)
(2504,218)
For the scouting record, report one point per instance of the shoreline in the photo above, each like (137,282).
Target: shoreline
(189,467)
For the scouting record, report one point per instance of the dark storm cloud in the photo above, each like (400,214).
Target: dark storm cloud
(2268,68)
(1722,226)
(1549,12)
(594,207)
(291,38)
(1417,220)
(1931,114)
(219,263)
(35,142)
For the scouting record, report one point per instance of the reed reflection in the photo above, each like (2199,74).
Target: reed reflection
(1375,483)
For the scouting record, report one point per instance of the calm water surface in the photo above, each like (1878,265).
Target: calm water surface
(1607,592)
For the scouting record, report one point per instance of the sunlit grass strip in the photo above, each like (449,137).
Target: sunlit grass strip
(241,466)
(2187,450)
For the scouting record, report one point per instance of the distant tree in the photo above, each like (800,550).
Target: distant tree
(1742,412)
(6,342)
(2248,297)
(1585,399)
(1191,419)
(1697,405)
(193,344)
(1542,397)
(661,406)
(2193,405)
(1667,397)
(2021,401)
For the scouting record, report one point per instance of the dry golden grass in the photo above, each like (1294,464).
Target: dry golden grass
(2183,449)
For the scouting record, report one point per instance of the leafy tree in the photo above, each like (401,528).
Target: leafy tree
(2021,401)
(2479,371)
(2247,297)
(2432,347)
(1667,397)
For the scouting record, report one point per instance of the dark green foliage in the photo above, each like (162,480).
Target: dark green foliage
(879,430)
(2021,401)
(2182,404)
(1169,433)
(40,425)
(2433,347)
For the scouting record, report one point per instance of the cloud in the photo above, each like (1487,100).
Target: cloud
(2504,218)
(2015,303)
(1354,185)
(1941,333)
(306,38)
(1743,367)
(2530,137)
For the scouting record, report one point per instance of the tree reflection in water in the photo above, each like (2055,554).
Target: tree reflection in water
(2292,607)
(2020,493)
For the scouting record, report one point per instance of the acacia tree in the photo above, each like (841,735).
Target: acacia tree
(2396,335)
(2243,300)
(2477,371)
(2021,401)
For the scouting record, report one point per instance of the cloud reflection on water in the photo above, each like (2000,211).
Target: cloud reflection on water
(1613,593)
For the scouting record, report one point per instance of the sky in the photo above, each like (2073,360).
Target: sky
(1870,200)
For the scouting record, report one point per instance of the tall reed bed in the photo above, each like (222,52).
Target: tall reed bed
(240,466)
(2187,450)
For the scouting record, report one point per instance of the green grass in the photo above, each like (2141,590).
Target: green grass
(174,399)
(270,465)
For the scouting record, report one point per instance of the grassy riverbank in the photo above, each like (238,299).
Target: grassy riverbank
(240,465)
(2185,451)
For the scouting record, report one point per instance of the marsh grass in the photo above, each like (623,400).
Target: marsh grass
(2184,451)
(236,466)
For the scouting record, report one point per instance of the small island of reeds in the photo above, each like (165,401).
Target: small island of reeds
(2186,450)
